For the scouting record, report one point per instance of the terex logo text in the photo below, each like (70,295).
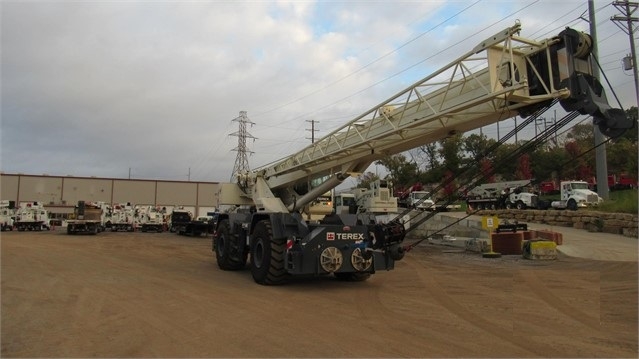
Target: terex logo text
(331,236)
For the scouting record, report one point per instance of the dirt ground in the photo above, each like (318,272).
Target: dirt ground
(162,295)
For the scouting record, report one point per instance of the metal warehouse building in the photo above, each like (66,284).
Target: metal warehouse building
(60,194)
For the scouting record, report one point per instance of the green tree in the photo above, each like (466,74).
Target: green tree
(548,163)
(450,151)
(631,134)
(621,156)
(431,156)
(504,163)
(400,171)
(365,179)
(475,146)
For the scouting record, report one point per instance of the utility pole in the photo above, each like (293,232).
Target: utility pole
(313,130)
(241,161)
(601,164)
(627,9)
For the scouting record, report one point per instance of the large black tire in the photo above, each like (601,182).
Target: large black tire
(267,256)
(229,254)
(572,204)
(520,205)
(353,277)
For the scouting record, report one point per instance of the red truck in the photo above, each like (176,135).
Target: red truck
(548,187)
(621,181)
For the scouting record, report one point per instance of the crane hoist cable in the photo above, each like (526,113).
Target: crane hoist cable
(412,245)
(528,147)
(474,166)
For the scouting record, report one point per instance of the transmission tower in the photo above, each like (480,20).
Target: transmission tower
(241,161)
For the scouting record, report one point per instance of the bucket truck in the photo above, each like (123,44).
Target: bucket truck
(122,217)
(502,195)
(148,218)
(502,77)
(31,216)
(7,214)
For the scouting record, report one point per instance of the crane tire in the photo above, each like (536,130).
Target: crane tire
(223,249)
(267,255)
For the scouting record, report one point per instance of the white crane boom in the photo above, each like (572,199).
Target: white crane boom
(504,76)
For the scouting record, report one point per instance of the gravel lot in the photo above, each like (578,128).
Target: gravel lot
(162,295)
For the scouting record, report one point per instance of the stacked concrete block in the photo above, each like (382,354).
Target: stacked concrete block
(507,243)
(539,250)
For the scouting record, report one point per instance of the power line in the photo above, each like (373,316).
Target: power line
(372,62)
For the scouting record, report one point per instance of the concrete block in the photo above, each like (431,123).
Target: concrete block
(477,245)
(507,243)
(539,250)
(528,235)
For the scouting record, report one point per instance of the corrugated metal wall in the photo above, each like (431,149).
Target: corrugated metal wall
(57,190)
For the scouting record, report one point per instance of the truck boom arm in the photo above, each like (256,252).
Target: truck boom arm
(503,76)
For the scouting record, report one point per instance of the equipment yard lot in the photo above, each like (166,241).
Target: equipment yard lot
(162,295)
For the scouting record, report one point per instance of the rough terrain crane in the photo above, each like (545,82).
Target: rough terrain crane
(502,77)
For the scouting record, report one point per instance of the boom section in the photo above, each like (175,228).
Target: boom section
(486,85)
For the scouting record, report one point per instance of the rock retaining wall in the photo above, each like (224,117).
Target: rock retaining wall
(617,223)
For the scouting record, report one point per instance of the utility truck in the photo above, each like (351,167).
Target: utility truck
(7,214)
(122,217)
(417,198)
(31,216)
(502,77)
(87,218)
(502,195)
(148,218)
(377,201)
(576,194)
(421,200)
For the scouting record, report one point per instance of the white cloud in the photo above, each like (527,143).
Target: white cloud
(96,88)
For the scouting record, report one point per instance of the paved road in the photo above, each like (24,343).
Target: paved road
(583,244)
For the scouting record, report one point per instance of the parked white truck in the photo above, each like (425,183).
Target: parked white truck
(31,216)
(502,195)
(377,200)
(149,218)
(576,194)
(421,200)
(7,214)
(122,217)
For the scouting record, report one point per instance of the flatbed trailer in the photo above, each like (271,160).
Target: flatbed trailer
(87,219)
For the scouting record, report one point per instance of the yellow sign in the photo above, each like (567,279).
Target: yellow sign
(489,223)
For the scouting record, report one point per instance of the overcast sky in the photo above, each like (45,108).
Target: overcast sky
(150,89)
